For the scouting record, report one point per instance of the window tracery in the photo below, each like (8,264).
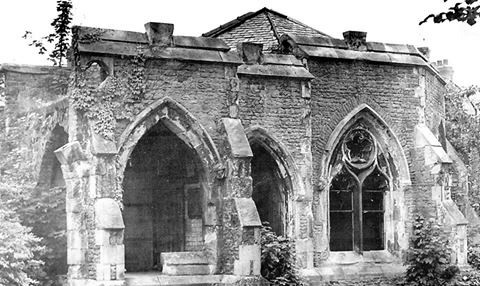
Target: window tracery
(360,178)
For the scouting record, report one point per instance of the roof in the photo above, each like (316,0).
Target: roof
(199,49)
(321,47)
(118,42)
(264,26)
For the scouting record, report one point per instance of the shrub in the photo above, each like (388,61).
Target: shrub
(473,253)
(19,250)
(278,258)
(428,255)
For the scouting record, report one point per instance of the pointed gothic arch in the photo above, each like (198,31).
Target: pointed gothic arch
(388,165)
(271,159)
(180,121)
(177,200)
(380,128)
(51,191)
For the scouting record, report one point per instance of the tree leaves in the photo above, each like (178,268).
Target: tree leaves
(461,12)
(18,251)
(463,132)
(60,38)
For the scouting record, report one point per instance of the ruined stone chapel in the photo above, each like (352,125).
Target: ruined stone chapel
(172,150)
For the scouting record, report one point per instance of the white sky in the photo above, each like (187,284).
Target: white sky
(390,21)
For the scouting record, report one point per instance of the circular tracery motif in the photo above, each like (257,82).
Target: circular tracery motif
(359,148)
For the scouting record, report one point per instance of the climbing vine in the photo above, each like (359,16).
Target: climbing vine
(111,100)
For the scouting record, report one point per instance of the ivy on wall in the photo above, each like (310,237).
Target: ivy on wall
(111,100)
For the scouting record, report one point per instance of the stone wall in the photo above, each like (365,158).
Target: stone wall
(280,109)
(402,96)
(198,87)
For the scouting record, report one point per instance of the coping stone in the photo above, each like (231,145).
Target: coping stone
(247,212)
(236,138)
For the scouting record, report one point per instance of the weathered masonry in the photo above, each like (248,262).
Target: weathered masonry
(179,147)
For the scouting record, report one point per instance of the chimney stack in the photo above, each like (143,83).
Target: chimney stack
(445,70)
(251,53)
(159,34)
(356,40)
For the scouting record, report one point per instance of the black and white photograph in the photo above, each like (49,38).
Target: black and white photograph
(240,143)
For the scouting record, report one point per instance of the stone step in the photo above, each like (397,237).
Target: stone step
(157,278)
(186,269)
(184,258)
(185,263)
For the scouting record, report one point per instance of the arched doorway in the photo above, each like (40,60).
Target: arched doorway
(49,220)
(269,189)
(163,199)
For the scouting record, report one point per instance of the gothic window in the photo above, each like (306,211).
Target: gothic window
(357,191)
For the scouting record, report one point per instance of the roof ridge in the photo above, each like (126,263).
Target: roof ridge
(242,18)
(274,29)
(304,25)
(232,24)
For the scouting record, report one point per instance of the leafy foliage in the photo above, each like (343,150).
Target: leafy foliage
(106,100)
(60,38)
(463,132)
(464,11)
(19,250)
(473,254)
(428,256)
(278,258)
(30,212)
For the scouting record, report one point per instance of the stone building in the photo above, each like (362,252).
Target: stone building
(173,149)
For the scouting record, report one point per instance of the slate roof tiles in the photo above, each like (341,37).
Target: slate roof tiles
(264,26)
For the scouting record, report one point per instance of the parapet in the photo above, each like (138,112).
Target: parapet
(354,47)
(159,42)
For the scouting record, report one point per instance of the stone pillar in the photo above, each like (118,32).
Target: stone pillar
(76,170)
(304,197)
(240,219)
(110,266)
(109,259)
(95,251)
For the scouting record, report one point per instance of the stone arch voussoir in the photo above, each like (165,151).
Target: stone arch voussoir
(281,154)
(381,130)
(181,122)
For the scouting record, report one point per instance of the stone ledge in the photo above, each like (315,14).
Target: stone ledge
(178,258)
(157,278)
(355,271)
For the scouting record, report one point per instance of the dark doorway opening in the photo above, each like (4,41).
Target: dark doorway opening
(49,221)
(163,200)
(269,189)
